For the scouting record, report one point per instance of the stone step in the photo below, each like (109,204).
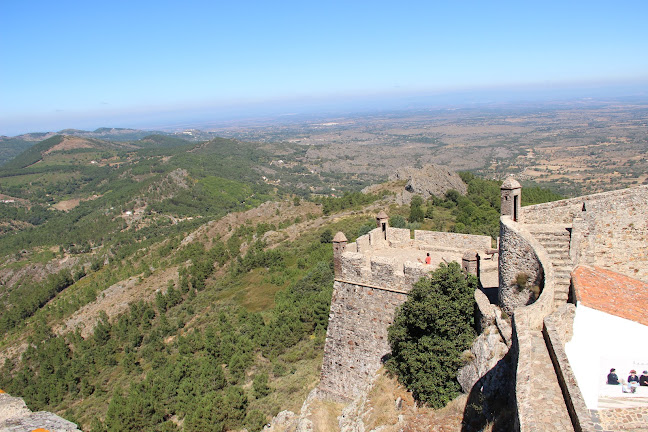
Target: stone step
(548,229)
(555,248)
(561,249)
(559,237)
(552,237)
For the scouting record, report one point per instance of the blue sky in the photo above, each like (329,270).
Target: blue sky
(85,64)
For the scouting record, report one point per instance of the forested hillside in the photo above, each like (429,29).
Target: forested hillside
(167,285)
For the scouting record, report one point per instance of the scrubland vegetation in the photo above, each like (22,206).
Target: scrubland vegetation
(236,333)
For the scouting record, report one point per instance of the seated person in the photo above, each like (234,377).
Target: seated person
(643,379)
(633,378)
(612,378)
(428,259)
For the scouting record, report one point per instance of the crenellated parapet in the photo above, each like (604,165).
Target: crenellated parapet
(395,261)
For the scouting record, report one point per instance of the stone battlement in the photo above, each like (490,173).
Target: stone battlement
(394,261)
(372,278)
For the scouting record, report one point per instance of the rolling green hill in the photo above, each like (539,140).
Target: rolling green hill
(179,286)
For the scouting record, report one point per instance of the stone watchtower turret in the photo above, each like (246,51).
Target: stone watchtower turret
(382,222)
(511,199)
(470,263)
(339,246)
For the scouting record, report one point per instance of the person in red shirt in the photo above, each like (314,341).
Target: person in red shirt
(428,259)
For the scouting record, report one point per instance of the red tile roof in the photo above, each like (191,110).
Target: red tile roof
(612,293)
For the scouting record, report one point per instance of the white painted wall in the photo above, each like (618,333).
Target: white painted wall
(602,341)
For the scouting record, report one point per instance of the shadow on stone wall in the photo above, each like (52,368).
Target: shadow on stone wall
(491,398)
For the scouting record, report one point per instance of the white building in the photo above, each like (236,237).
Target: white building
(610,331)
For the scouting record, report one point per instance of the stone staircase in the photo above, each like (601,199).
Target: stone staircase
(555,239)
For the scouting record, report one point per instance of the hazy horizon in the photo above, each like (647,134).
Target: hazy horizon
(83,65)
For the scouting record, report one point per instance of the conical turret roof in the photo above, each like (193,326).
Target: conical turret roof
(511,183)
(339,237)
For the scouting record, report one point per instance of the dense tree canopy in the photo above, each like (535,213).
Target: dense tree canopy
(430,332)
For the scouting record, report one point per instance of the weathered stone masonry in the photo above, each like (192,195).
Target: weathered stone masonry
(609,230)
(373,276)
(357,337)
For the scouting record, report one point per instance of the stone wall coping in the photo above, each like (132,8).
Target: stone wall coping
(522,350)
(367,285)
(504,328)
(486,309)
(578,411)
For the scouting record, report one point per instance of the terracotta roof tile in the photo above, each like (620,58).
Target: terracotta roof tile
(612,293)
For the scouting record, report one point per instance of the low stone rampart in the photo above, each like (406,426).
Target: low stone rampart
(453,240)
(485,311)
(578,412)
(431,240)
(380,271)
(564,211)
(521,352)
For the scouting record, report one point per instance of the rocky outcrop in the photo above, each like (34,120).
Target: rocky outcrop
(487,350)
(289,421)
(38,272)
(16,417)
(427,181)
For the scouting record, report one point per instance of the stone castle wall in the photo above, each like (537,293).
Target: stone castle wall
(453,240)
(356,339)
(517,254)
(611,232)
(373,280)
(564,211)
(380,271)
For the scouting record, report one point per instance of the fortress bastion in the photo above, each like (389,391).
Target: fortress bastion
(372,278)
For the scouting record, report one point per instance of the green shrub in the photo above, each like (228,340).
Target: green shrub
(431,331)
